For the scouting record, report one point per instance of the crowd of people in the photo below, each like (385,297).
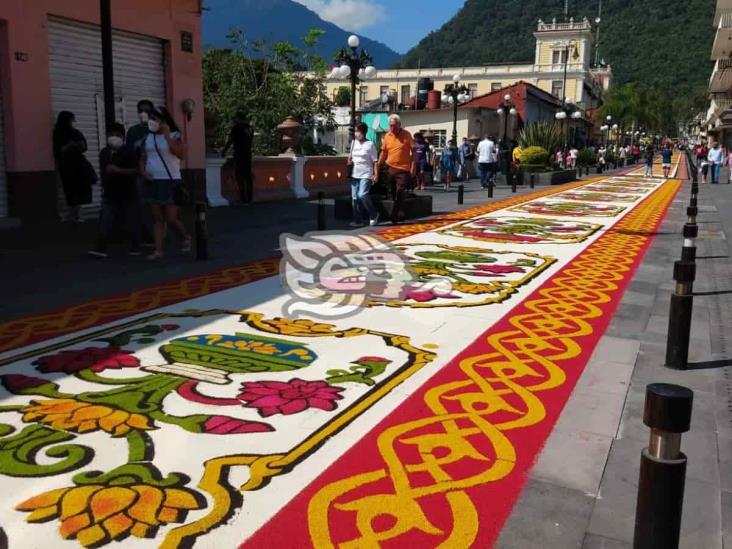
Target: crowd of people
(709,161)
(140,173)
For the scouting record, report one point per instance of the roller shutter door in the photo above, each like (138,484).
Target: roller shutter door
(3,176)
(75,59)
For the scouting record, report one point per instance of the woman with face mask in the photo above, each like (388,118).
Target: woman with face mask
(162,152)
(77,175)
(363,158)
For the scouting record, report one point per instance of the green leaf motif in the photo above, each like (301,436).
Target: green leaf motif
(19,452)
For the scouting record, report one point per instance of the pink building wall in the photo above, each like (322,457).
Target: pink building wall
(26,84)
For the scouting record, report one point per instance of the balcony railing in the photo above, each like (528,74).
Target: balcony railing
(571,25)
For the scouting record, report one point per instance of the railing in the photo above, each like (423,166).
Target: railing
(725,21)
(571,25)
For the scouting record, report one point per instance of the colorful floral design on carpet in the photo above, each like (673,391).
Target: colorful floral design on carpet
(598,197)
(269,377)
(603,188)
(569,209)
(523,230)
(458,276)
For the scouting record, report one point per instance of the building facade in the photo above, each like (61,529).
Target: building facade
(718,122)
(559,46)
(51,60)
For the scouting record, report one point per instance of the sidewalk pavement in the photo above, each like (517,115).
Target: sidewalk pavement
(582,490)
(39,260)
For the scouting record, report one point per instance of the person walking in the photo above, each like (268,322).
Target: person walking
(163,150)
(666,154)
(466,157)
(573,154)
(136,134)
(729,166)
(449,160)
(77,175)
(364,160)
(397,154)
(119,168)
(649,155)
(635,152)
(241,138)
(715,158)
(422,153)
(486,161)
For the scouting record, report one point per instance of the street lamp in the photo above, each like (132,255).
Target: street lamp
(507,110)
(575,56)
(455,94)
(355,66)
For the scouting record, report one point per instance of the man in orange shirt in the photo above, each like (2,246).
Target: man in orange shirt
(397,152)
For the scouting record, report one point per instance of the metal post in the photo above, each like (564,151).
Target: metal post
(691,231)
(531,180)
(105,12)
(663,467)
(201,232)
(461,193)
(490,189)
(321,211)
(352,122)
(454,115)
(679,320)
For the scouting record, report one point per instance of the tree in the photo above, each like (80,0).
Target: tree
(343,97)
(268,83)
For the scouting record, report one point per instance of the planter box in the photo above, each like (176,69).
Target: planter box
(415,207)
(551,178)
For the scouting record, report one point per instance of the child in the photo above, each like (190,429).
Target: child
(119,170)
(704,170)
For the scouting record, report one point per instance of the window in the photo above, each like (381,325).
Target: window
(557,88)
(383,90)
(473,90)
(440,139)
(363,92)
(406,92)
(559,56)
(495,86)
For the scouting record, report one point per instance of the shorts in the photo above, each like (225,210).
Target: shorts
(667,164)
(160,191)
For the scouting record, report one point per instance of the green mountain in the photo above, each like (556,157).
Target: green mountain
(651,42)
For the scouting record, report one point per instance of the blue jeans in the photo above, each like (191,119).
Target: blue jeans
(487,173)
(116,214)
(361,200)
(715,173)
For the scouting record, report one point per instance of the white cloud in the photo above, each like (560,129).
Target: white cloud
(352,15)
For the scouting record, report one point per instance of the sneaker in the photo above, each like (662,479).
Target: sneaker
(154,256)
(134,253)
(97,253)
(354,224)
(186,247)
(374,221)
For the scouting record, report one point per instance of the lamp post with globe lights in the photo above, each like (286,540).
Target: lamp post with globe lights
(455,94)
(354,65)
(506,111)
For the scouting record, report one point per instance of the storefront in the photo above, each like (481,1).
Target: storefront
(51,60)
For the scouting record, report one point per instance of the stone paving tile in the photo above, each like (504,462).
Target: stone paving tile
(601,542)
(727,519)
(593,412)
(581,452)
(547,515)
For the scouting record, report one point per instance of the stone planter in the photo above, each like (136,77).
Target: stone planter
(214,164)
(552,178)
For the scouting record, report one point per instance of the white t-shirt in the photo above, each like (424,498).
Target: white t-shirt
(487,152)
(363,156)
(154,165)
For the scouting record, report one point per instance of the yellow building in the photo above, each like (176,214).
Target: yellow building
(560,47)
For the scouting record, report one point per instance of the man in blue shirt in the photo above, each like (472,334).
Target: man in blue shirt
(715,158)
(666,154)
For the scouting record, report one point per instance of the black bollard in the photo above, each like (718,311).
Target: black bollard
(663,467)
(490,190)
(201,232)
(679,320)
(321,211)
(461,193)
(513,181)
(531,180)
(688,251)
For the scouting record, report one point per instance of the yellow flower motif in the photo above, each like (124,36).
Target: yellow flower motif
(299,326)
(97,514)
(71,415)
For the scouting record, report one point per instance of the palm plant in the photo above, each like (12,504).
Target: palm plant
(541,134)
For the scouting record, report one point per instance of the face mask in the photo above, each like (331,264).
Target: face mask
(153,126)
(115,142)
(144,117)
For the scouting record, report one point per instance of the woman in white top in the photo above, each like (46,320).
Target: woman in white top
(162,151)
(364,159)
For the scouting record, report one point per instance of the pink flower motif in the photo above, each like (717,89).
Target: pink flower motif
(169,327)
(95,359)
(15,383)
(372,359)
(500,269)
(225,425)
(291,397)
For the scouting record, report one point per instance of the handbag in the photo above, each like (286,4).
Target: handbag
(181,196)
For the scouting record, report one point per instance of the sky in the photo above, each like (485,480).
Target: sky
(416,18)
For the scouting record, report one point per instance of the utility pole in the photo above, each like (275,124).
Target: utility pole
(105,12)
(597,34)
